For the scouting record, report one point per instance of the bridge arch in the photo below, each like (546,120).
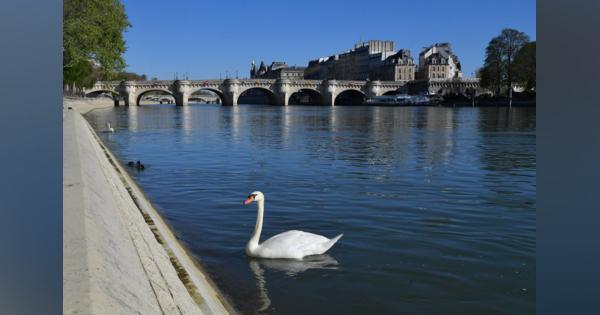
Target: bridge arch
(216,91)
(96,93)
(350,97)
(250,96)
(144,92)
(306,96)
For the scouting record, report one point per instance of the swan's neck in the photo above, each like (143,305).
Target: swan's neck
(253,243)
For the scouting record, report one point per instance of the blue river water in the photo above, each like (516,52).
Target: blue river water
(437,205)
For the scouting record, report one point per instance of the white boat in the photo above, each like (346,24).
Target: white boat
(400,99)
(382,100)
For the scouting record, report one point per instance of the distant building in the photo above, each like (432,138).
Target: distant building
(398,67)
(277,70)
(375,60)
(371,60)
(438,62)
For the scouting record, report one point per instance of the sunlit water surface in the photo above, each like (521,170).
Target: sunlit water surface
(437,204)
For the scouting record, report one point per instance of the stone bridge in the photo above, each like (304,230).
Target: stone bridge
(464,86)
(279,91)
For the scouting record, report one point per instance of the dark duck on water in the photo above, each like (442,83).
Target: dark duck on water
(137,165)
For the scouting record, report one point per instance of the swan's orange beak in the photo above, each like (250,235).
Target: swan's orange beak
(249,200)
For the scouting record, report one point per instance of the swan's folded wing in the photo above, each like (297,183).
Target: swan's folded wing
(293,244)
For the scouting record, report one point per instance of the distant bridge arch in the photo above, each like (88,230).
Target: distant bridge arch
(248,92)
(218,92)
(144,92)
(306,96)
(99,92)
(350,97)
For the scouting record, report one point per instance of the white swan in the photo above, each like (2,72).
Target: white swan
(111,129)
(291,244)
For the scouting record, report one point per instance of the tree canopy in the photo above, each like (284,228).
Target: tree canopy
(525,66)
(93,43)
(499,69)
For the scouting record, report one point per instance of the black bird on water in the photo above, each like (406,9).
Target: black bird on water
(138,165)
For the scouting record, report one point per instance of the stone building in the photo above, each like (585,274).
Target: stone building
(374,59)
(277,70)
(438,62)
(397,67)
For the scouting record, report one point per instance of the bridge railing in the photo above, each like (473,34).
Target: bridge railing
(153,82)
(465,80)
(207,81)
(107,83)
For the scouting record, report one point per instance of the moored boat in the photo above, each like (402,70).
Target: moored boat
(402,100)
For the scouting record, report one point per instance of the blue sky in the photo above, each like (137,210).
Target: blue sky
(206,39)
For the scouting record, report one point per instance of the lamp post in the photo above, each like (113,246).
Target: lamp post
(510,90)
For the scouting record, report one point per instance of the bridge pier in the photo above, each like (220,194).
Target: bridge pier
(329,99)
(182,99)
(230,99)
(283,98)
(282,91)
(130,99)
(329,95)
(231,88)
(128,93)
(181,92)
(373,88)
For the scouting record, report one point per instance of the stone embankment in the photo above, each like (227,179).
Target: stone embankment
(119,256)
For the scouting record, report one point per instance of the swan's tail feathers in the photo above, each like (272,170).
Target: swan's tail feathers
(331,242)
(335,239)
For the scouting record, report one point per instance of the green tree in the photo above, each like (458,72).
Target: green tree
(498,69)
(491,74)
(524,66)
(93,43)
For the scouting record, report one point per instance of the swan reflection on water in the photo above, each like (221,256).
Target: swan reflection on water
(291,267)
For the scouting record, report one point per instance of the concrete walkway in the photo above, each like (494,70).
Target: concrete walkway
(119,256)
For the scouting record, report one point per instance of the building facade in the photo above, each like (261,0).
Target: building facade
(277,70)
(374,60)
(371,60)
(438,62)
(397,67)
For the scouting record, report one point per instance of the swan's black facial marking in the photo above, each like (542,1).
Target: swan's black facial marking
(250,199)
